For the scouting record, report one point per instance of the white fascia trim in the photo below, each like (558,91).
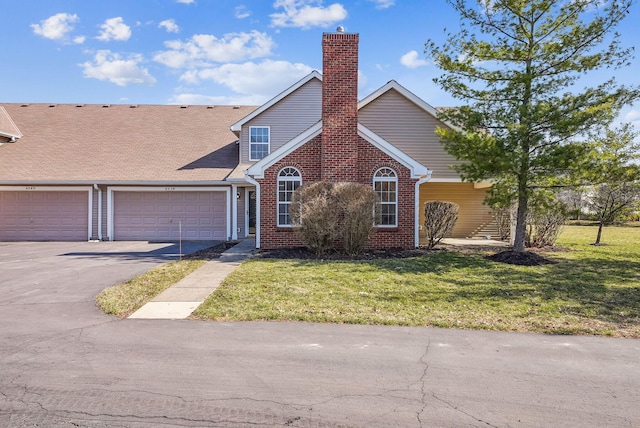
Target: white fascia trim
(257,170)
(88,189)
(417,169)
(45,188)
(236,127)
(112,189)
(392,84)
(447,180)
(158,184)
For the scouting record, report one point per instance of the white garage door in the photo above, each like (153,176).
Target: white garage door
(44,216)
(153,216)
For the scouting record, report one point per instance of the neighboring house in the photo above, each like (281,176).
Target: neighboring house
(78,172)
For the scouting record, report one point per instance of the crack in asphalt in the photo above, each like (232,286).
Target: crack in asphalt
(457,409)
(423,388)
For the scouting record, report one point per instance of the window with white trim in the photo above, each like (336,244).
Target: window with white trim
(385,184)
(289,179)
(258,142)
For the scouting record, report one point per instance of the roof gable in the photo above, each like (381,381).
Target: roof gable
(419,102)
(8,128)
(257,169)
(236,127)
(417,169)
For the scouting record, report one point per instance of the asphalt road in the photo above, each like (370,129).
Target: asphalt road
(65,364)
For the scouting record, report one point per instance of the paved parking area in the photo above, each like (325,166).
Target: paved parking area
(59,280)
(65,364)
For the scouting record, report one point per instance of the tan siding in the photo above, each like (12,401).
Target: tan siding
(473,213)
(411,129)
(288,118)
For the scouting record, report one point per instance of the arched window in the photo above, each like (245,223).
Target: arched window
(385,184)
(289,180)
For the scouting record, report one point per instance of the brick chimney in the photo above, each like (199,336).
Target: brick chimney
(339,106)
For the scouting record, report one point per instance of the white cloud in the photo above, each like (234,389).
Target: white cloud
(307,14)
(242,12)
(113,68)
(633,116)
(263,79)
(55,27)
(169,25)
(114,29)
(411,60)
(185,1)
(79,40)
(202,49)
(383,4)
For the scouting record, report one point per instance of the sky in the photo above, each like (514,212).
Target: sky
(218,52)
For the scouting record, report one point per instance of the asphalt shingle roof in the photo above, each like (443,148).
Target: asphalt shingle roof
(120,143)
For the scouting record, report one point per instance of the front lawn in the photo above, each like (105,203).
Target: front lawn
(591,290)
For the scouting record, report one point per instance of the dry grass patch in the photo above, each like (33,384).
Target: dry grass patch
(124,299)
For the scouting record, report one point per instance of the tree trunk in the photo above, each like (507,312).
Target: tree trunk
(599,233)
(521,225)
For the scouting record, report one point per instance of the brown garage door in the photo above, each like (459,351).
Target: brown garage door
(44,216)
(152,216)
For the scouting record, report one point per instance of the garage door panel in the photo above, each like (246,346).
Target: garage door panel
(162,215)
(44,216)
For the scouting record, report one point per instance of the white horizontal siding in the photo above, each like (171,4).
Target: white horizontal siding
(286,119)
(411,129)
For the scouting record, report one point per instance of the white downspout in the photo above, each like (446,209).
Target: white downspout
(255,183)
(416,215)
(95,186)
(234,212)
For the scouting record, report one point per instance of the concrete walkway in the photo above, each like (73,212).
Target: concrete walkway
(181,299)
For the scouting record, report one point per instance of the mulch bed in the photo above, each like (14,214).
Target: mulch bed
(527,258)
(211,252)
(305,254)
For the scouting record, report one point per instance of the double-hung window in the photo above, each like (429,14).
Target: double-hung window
(385,184)
(289,180)
(258,142)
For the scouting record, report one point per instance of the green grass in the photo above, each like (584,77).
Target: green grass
(591,290)
(124,299)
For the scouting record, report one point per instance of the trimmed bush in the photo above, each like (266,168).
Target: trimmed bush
(328,216)
(355,205)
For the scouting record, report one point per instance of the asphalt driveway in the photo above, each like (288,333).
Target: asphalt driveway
(65,364)
(58,281)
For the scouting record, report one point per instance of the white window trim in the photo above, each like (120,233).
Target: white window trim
(268,143)
(278,203)
(387,179)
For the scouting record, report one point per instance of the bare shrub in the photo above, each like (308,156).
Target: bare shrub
(313,216)
(502,217)
(356,204)
(439,219)
(544,225)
